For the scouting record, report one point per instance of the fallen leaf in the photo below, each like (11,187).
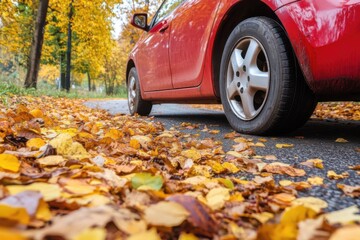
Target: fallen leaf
(341,140)
(91,234)
(284,145)
(281,168)
(51,161)
(146,181)
(352,191)
(217,197)
(50,192)
(148,235)
(344,216)
(348,233)
(167,214)
(335,176)
(9,162)
(35,143)
(316,181)
(316,204)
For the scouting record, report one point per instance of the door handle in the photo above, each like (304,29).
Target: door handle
(164,27)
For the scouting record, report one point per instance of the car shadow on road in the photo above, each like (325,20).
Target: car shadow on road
(313,129)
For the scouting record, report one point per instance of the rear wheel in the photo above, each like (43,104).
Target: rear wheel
(261,88)
(135,102)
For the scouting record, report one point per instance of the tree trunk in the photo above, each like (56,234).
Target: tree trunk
(68,51)
(36,45)
(62,71)
(89,80)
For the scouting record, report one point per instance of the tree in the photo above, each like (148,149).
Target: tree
(36,45)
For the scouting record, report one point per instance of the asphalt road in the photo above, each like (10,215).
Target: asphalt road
(315,140)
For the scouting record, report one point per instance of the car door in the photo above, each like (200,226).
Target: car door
(190,31)
(153,56)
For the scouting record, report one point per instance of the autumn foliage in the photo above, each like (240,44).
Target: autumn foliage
(69,172)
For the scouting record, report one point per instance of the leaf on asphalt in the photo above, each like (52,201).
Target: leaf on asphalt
(166,214)
(146,181)
(9,162)
(351,191)
(344,216)
(317,163)
(217,197)
(284,145)
(282,168)
(316,204)
(315,181)
(333,175)
(341,140)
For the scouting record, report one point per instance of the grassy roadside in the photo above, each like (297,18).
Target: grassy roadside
(7,90)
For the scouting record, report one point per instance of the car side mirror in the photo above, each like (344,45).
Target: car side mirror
(139,20)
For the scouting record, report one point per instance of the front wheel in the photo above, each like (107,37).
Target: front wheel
(261,87)
(135,102)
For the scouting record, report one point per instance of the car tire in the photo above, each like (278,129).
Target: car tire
(135,102)
(262,89)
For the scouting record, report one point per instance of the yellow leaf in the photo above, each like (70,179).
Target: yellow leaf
(43,212)
(237,197)
(9,162)
(134,144)
(8,234)
(341,140)
(316,181)
(187,236)
(285,183)
(51,160)
(216,167)
(296,214)
(217,197)
(167,214)
(334,175)
(231,167)
(311,202)
(284,145)
(66,146)
(114,134)
(17,214)
(37,113)
(148,235)
(263,217)
(78,187)
(35,143)
(92,234)
(50,192)
(192,154)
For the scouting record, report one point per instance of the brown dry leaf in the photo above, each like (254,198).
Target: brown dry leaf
(284,145)
(352,191)
(9,162)
(217,197)
(281,168)
(316,162)
(348,233)
(167,214)
(333,175)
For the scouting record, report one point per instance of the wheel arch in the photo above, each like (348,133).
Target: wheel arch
(129,66)
(236,14)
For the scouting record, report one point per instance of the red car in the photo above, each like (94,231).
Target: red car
(268,62)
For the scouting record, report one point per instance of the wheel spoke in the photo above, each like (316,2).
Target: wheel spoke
(248,104)
(232,90)
(259,80)
(251,53)
(236,60)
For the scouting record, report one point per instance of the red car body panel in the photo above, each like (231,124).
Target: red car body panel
(320,33)
(325,36)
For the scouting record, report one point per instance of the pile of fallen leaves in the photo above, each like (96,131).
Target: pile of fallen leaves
(69,172)
(340,110)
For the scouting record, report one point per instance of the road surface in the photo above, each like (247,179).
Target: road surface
(317,139)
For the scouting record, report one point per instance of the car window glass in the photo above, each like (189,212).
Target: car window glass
(167,7)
